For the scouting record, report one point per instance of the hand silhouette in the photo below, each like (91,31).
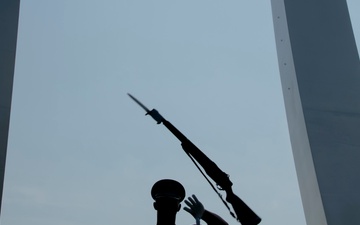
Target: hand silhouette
(195,208)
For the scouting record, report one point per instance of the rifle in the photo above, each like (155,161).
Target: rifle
(244,214)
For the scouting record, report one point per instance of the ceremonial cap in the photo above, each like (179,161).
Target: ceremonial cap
(168,188)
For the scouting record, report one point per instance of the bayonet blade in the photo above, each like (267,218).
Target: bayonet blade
(138,102)
(153,113)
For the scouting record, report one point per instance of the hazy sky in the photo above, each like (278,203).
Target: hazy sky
(81,152)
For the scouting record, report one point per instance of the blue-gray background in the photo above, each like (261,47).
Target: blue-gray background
(82,153)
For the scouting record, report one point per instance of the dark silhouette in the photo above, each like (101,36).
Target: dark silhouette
(168,195)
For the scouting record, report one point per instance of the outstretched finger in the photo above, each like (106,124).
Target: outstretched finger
(188,203)
(196,200)
(192,201)
(188,210)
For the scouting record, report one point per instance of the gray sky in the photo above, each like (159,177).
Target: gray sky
(82,153)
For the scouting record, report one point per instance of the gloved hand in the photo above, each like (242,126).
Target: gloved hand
(196,209)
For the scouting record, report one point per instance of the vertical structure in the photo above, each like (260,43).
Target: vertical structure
(320,75)
(9,15)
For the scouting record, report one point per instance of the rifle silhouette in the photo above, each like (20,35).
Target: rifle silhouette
(244,214)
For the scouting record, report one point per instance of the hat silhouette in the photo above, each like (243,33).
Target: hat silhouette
(168,188)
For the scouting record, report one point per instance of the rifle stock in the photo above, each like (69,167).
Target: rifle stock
(245,214)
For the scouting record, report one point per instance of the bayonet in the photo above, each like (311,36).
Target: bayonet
(153,113)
